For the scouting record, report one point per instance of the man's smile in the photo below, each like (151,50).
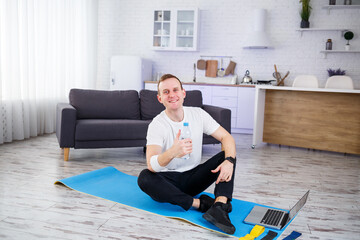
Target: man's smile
(173,101)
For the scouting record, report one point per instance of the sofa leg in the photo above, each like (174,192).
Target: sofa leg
(66,154)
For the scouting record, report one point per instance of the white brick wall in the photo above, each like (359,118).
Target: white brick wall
(125,28)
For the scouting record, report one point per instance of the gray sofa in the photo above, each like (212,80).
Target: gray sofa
(115,119)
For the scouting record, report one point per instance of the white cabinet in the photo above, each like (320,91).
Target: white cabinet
(226,97)
(224,91)
(151,86)
(246,104)
(206,92)
(176,30)
(187,87)
(240,100)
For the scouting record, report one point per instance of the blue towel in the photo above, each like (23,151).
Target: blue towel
(113,185)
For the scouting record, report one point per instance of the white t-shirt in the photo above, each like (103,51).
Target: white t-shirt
(162,132)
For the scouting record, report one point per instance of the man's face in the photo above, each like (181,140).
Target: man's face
(170,94)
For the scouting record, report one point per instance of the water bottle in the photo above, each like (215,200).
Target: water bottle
(185,133)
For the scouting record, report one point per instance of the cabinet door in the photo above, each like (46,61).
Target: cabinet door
(187,87)
(245,108)
(206,92)
(226,102)
(229,103)
(186,30)
(224,91)
(151,86)
(162,29)
(226,97)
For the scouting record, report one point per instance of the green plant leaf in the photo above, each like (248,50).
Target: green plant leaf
(305,10)
(349,35)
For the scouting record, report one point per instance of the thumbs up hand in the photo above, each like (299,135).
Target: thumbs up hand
(181,147)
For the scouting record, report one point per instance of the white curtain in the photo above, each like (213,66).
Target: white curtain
(47,47)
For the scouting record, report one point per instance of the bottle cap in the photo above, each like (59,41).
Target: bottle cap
(186,124)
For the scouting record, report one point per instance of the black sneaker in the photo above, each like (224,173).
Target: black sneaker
(218,215)
(205,203)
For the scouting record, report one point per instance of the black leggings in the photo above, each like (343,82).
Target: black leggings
(179,188)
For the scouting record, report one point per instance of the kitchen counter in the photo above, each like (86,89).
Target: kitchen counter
(316,118)
(212,84)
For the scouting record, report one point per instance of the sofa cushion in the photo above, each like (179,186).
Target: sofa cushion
(110,129)
(149,104)
(97,104)
(193,99)
(150,107)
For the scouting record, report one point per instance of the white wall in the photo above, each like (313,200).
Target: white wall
(125,28)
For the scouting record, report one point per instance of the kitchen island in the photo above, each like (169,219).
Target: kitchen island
(316,118)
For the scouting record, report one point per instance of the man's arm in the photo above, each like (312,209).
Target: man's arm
(179,149)
(226,168)
(227,141)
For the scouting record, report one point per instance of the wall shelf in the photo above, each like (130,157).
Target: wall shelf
(301,30)
(321,29)
(335,7)
(325,52)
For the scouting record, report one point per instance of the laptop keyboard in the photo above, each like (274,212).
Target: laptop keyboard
(272,217)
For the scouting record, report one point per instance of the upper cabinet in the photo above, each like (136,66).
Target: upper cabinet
(176,30)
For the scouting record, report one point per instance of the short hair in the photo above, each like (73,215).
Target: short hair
(167,76)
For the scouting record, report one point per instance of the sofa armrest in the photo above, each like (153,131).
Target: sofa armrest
(221,115)
(65,125)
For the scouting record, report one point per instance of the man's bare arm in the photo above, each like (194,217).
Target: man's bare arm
(226,168)
(226,140)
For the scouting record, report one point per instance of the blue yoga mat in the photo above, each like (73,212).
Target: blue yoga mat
(113,185)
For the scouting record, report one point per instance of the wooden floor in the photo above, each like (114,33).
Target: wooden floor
(32,207)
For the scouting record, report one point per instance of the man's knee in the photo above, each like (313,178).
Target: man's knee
(144,179)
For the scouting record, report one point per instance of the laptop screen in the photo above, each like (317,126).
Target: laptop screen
(296,208)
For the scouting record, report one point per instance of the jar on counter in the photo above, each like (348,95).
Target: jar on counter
(329,44)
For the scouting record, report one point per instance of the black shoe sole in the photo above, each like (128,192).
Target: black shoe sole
(209,218)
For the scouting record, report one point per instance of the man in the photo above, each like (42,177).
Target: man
(170,176)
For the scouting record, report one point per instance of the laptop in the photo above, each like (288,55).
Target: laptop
(274,218)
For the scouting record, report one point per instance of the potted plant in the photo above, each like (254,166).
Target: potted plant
(305,13)
(332,72)
(348,36)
